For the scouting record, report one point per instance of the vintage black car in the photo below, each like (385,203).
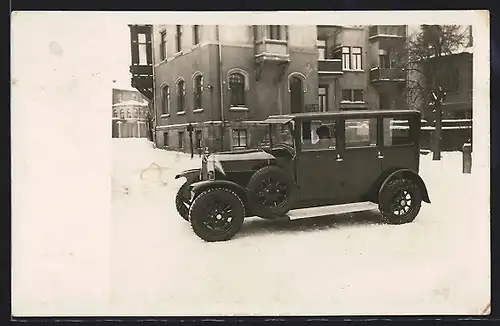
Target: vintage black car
(351,159)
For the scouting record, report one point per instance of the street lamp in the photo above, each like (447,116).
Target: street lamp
(190,131)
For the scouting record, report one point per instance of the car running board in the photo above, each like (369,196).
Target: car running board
(300,213)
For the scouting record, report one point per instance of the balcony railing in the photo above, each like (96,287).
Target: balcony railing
(330,66)
(387,74)
(387,31)
(271,50)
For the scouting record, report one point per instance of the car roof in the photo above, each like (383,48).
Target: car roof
(360,113)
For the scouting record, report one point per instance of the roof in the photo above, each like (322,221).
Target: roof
(131,103)
(287,117)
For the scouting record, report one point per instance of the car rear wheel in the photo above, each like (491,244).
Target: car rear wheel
(400,201)
(272,192)
(216,214)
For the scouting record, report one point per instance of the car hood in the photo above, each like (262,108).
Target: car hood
(242,160)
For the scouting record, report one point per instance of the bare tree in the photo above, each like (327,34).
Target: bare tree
(423,52)
(426,71)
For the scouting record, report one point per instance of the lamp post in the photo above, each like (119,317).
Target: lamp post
(437,98)
(190,131)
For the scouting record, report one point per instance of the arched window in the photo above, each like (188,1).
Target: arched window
(136,113)
(197,91)
(181,96)
(165,99)
(115,113)
(122,114)
(237,89)
(129,114)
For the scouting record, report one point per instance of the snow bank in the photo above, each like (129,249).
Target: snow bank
(349,264)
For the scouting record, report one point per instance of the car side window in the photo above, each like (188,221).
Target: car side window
(397,132)
(360,133)
(318,135)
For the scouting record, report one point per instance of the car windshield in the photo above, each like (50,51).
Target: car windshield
(278,133)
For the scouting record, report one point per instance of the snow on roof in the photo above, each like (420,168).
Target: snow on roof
(131,103)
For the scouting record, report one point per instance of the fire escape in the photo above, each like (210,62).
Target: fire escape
(141,66)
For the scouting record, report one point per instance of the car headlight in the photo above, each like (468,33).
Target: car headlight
(211,168)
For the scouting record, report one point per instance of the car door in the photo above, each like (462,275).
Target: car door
(361,157)
(318,168)
(400,142)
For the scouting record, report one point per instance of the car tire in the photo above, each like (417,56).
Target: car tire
(180,198)
(400,201)
(261,195)
(216,207)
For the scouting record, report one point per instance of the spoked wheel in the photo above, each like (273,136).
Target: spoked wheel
(219,217)
(400,201)
(272,192)
(181,199)
(216,214)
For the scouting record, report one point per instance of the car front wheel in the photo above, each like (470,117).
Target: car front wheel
(181,198)
(400,201)
(216,214)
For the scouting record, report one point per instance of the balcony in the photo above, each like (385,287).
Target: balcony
(378,74)
(141,67)
(330,67)
(142,80)
(276,50)
(388,31)
(273,52)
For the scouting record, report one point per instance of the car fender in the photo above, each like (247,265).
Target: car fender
(409,174)
(190,174)
(200,186)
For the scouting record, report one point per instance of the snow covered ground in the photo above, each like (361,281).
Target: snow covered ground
(334,265)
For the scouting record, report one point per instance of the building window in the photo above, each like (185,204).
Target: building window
(129,114)
(274,32)
(321,49)
(141,41)
(346,58)
(120,97)
(357,95)
(181,139)
(360,133)
(115,113)
(165,100)
(352,95)
(197,91)
(181,96)
(122,114)
(323,98)
(165,139)
(196,34)
(356,58)
(178,38)
(239,138)
(384,61)
(163,45)
(237,89)
(198,139)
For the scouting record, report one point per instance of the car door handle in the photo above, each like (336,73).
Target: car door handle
(339,158)
(379,155)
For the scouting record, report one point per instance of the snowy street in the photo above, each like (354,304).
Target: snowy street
(334,265)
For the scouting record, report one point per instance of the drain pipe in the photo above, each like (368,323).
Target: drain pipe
(221,85)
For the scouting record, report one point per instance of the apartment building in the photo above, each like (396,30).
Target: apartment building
(222,80)
(129,114)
